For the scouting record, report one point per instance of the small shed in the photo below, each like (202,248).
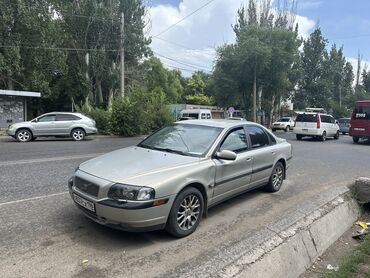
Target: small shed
(13,106)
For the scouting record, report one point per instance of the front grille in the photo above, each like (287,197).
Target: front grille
(86,187)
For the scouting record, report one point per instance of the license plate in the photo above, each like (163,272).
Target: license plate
(305,129)
(84,203)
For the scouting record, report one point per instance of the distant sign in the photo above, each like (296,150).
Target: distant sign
(231,110)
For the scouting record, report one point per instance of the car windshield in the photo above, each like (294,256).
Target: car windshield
(190,140)
(343,121)
(284,120)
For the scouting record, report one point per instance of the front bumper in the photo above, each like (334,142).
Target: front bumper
(128,219)
(11,132)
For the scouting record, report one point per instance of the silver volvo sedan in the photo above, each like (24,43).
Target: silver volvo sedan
(170,179)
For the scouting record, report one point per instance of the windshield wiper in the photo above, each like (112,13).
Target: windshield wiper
(168,150)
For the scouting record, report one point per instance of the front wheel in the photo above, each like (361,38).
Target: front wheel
(186,213)
(323,136)
(78,134)
(299,136)
(287,128)
(355,139)
(336,135)
(276,179)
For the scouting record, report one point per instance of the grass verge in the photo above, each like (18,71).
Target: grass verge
(355,265)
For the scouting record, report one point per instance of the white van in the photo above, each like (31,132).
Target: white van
(316,125)
(195,114)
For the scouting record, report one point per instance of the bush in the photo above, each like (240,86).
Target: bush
(140,112)
(100,116)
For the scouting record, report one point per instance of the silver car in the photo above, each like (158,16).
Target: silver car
(75,125)
(174,176)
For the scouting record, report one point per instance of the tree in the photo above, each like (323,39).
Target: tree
(314,89)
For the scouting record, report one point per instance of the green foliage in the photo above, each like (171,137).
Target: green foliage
(199,99)
(99,115)
(139,113)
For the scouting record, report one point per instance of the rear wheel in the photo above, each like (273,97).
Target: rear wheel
(323,136)
(355,139)
(276,179)
(336,135)
(24,135)
(186,213)
(299,136)
(78,134)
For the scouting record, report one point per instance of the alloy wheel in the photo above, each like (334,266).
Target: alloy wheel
(277,176)
(24,136)
(188,213)
(78,135)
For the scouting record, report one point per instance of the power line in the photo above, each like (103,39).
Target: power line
(198,67)
(182,19)
(183,46)
(60,48)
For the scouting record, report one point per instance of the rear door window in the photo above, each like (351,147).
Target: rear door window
(325,119)
(257,136)
(67,117)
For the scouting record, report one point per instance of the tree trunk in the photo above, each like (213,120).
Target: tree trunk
(260,118)
(272,110)
(10,84)
(255,94)
(110,99)
(99,91)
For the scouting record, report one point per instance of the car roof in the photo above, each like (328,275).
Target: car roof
(195,110)
(58,113)
(221,123)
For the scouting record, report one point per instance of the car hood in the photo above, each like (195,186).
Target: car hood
(124,164)
(21,124)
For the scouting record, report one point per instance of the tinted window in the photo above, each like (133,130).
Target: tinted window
(258,137)
(190,115)
(208,116)
(343,121)
(48,118)
(325,119)
(236,141)
(310,118)
(203,116)
(284,120)
(361,113)
(67,117)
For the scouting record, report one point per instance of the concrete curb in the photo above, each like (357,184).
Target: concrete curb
(285,248)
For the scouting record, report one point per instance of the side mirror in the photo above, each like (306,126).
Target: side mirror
(226,155)
(34,120)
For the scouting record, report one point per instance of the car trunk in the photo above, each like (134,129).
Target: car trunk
(306,122)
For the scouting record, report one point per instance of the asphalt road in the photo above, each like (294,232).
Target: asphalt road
(42,233)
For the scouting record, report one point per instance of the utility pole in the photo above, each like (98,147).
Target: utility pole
(255,95)
(122,55)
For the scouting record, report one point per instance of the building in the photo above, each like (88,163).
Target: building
(13,106)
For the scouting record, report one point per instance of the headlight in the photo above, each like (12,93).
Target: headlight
(131,192)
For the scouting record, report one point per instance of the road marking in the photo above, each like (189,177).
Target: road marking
(33,198)
(40,160)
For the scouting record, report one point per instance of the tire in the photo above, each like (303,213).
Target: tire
(24,135)
(323,136)
(189,204)
(277,178)
(355,139)
(298,136)
(343,133)
(287,128)
(336,137)
(78,134)
(273,130)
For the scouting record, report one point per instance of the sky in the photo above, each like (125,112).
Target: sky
(190,45)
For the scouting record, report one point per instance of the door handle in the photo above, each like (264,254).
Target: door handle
(273,153)
(249,159)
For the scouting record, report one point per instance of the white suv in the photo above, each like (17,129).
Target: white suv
(316,125)
(285,123)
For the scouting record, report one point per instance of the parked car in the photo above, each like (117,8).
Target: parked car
(74,125)
(192,114)
(171,178)
(360,121)
(315,125)
(285,123)
(344,124)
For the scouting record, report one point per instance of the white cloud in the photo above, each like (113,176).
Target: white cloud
(200,33)
(354,62)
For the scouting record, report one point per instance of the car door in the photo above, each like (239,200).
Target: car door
(45,125)
(64,122)
(263,151)
(232,177)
